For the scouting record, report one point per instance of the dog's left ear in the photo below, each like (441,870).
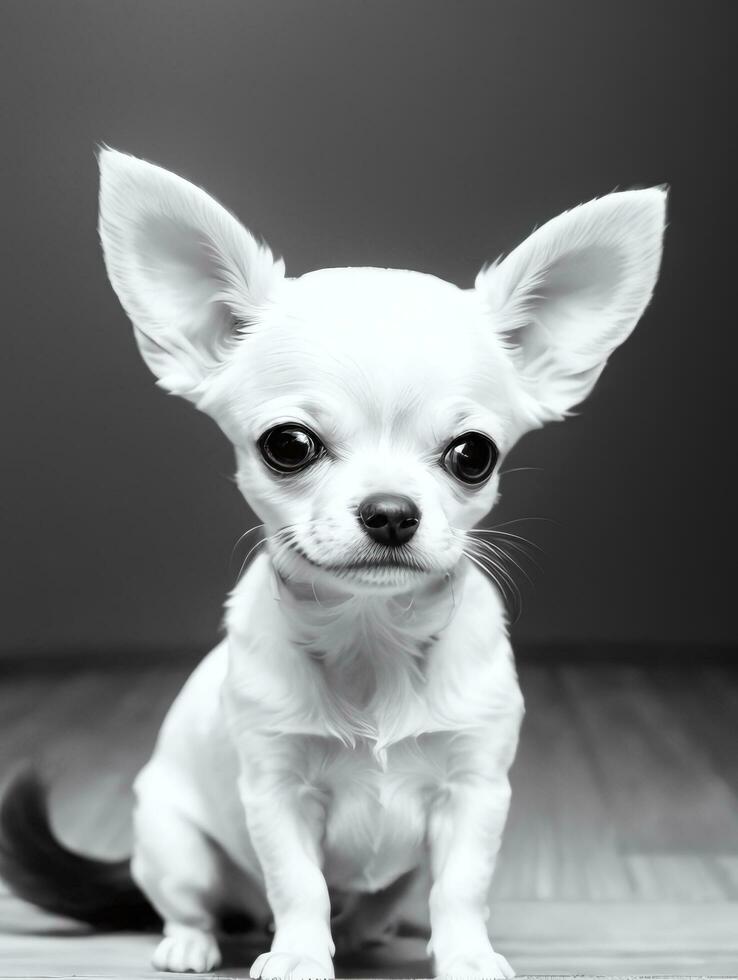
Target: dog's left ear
(573,291)
(187,273)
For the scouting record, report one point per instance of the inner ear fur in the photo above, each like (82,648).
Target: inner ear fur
(573,291)
(188,274)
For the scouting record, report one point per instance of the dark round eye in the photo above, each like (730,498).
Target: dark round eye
(289,448)
(471,458)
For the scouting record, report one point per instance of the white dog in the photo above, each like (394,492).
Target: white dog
(363,710)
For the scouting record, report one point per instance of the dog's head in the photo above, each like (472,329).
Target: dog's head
(370,408)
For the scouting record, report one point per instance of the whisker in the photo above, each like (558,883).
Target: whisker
(503,539)
(269,539)
(521,469)
(503,554)
(406,609)
(504,534)
(315,594)
(243,538)
(492,559)
(519,520)
(520,545)
(511,594)
(521,551)
(478,548)
(244,563)
(518,548)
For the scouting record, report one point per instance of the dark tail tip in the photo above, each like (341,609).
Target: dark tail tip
(41,870)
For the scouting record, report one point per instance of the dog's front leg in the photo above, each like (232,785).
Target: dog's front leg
(465,831)
(285,819)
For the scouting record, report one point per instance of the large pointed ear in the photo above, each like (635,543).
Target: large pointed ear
(187,273)
(573,291)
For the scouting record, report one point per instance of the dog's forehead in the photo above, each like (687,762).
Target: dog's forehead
(381,344)
(388,320)
(376,294)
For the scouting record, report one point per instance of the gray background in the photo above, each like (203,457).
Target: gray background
(416,134)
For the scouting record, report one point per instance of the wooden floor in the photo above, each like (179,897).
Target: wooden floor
(620,856)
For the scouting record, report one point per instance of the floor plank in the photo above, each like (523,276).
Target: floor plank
(551,938)
(660,785)
(620,857)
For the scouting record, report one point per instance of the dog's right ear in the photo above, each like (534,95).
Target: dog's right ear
(188,274)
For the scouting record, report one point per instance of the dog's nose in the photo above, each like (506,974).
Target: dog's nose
(389,518)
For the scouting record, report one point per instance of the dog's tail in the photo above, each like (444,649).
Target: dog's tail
(41,870)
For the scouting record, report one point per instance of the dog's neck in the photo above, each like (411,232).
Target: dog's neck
(333,624)
(370,649)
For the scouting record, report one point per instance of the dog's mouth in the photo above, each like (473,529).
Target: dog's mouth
(388,563)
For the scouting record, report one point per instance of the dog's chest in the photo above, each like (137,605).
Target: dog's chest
(376,814)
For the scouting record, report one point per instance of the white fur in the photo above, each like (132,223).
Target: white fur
(353,718)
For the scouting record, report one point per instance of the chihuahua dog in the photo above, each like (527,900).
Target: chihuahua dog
(361,715)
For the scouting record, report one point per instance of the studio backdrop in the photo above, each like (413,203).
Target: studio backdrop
(422,135)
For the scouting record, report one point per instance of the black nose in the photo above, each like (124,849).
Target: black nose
(389,518)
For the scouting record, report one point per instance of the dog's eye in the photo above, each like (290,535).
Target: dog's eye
(470,458)
(289,448)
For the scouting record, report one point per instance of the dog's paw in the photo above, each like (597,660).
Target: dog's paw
(185,950)
(288,966)
(488,964)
